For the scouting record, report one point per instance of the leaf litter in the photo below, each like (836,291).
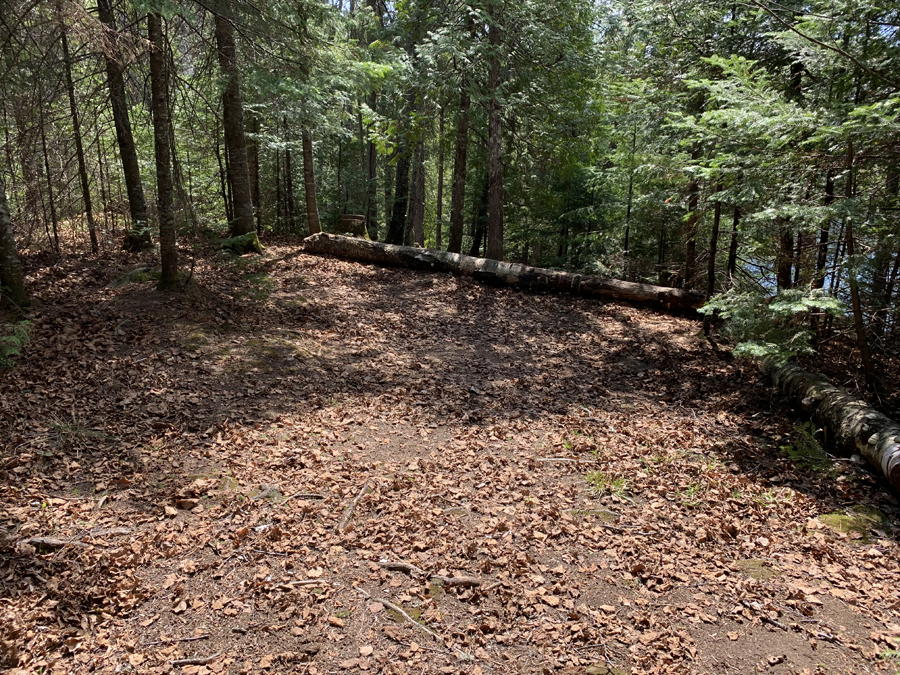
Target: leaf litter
(366,470)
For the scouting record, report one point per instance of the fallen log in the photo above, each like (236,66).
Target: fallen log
(495,272)
(850,424)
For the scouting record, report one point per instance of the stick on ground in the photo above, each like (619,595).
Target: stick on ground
(390,605)
(348,512)
(195,660)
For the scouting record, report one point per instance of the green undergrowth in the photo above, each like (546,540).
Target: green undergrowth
(14,337)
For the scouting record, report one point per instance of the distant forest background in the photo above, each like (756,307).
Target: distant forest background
(741,149)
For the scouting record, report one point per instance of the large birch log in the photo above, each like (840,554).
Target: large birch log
(498,273)
(851,425)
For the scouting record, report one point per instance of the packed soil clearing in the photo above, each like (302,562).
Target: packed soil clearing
(304,465)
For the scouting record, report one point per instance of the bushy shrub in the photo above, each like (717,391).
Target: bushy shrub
(774,327)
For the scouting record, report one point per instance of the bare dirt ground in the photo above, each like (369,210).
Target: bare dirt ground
(302,465)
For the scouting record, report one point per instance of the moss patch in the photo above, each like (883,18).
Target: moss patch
(138,276)
(859,519)
(603,514)
(756,569)
(245,243)
(604,669)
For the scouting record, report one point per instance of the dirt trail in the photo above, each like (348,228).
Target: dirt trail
(568,486)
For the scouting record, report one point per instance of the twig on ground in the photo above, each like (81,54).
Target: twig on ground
(301,495)
(195,661)
(397,566)
(306,582)
(348,512)
(457,582)
(425,629)
(556,459)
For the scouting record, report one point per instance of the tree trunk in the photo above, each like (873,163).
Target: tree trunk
(501,273)
(417,201)
(371,182)
(139,236)
(223,182)
(253,168)
(458,198)
(79,148)
(731,267)
(233,116)
(397,227)
(51,199)
(691,226)
(290,202)
(159,85)
(822,250)
(309,185)
(862,338)
(12,281)
(278,222)
(850,424)
(439,225)
(711,267)
(785,262)
(494,248)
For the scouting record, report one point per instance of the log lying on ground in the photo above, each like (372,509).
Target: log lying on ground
(498,273)
(851,425)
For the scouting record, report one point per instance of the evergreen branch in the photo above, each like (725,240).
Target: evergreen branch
(825,45)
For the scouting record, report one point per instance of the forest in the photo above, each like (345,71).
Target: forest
(234,440)
(603,137)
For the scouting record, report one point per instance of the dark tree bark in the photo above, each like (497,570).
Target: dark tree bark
(290,201)
(253,167)
(49,177)
(139,237)
(458,198)
(223,182)
(439,225)
(822,249)
(371,182)
(417,199)
(713,250)
(785,261)
(11,277)
(731,266)
(690,232)
(309,185)
(79,148)
(159,85)
(862,338)
(397,226)
(388,193)
(278,222)
(233,116)
(495,147)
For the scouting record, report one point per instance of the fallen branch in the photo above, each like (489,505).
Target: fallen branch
(53,543)
(171,640)
(425,629)
(851,425)
(195,661)
(348,512)
(499,273)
